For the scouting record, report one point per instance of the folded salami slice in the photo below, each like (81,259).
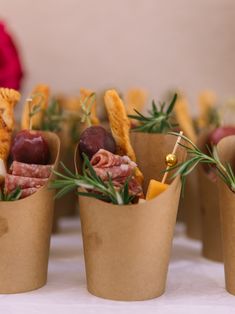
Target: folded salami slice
(28,191)
(118,168)
(30,170)
(105,159)
(12,182)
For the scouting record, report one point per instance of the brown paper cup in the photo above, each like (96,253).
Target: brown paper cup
(210,213)
(190,205)
(25,228)
(211,226)
(151,150)
(127,248)
(226,150)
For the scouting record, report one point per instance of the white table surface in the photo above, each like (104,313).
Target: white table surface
(195,285)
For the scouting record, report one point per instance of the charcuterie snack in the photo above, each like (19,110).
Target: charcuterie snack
(28,169)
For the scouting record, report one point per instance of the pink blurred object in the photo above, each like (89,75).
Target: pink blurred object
(11,71)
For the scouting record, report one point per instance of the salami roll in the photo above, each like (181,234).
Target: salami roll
(12,182)
(30,170)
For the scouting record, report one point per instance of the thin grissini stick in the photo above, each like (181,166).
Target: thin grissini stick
(173,153)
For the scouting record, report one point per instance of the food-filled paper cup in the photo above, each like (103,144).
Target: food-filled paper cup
(25,229)
(210,212)
(226,150)
(127,248)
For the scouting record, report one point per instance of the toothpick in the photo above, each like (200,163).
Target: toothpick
(173,152)
(29,101)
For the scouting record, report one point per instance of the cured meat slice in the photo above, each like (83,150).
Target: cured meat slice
(12,182)
(28,191)
(30,170)
(105,159)
(118,168)
(122,171)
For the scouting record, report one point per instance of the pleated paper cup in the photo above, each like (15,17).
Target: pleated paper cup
(226,150)
(25,229)
(210,212)
(127,247)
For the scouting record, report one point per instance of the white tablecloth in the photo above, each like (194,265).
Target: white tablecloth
(195,285)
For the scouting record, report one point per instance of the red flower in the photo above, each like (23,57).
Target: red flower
(10,67)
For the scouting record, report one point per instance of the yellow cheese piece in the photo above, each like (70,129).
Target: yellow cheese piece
(155,188)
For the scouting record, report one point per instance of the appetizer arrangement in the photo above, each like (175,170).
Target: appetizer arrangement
(109,170)
(27,154)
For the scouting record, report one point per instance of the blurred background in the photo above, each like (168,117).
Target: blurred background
(155,45)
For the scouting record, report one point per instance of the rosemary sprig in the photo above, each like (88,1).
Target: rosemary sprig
(86,106)
(53,117)
(196,156)
(12,196)
(91,184)
(159,119)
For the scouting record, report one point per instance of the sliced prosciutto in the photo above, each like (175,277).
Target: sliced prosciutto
(12,182)
(30,170)
(118,168)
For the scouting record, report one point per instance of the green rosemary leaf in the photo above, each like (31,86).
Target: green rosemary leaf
(94,195)
(65,190)
(172,104)
(12,196)
(89,181)
(67,170)
(224,171)
(158,119)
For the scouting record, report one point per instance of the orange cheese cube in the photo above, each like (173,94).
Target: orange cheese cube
(155,188)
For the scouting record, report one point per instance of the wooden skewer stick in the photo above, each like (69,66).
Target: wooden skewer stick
(173,152)
(29,101)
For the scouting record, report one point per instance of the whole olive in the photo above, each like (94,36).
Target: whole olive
(94,138)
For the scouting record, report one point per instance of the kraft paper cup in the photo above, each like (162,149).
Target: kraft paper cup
(151,150)
(25,229)
(191,207)
(226,150)
(127,248)
(211,225)
(210,212)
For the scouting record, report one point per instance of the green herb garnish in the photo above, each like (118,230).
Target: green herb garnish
(159,119)
(12,196)
(53,117)
(196,156)
(89,180)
